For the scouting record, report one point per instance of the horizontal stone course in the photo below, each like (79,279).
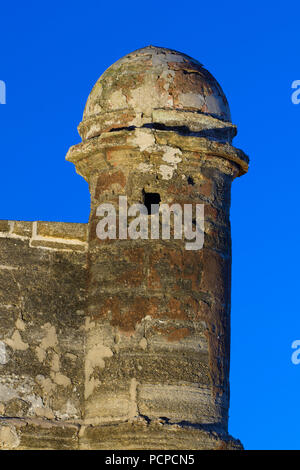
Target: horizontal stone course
(50,235)
(72,231)
(138,434)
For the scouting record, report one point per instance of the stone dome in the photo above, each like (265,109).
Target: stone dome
(148,80)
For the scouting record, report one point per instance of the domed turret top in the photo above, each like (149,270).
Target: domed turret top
(149,79)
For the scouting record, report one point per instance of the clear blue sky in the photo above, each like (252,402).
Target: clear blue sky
(51,55)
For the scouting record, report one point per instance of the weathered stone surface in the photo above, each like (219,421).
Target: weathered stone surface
(42,298)
(139,434)
(61,230)
(149,79)
(125,344)
(4,226)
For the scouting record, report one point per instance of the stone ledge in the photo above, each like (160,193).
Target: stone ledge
(138,434)
(48,235)
(156,435)
(92,154)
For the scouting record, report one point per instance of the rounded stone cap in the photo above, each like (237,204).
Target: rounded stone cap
(147,80)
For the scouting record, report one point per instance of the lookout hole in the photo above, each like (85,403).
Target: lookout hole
(150,199)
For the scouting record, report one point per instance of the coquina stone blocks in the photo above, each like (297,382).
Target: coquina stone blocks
(121,343)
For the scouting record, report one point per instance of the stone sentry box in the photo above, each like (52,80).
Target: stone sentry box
(125,344)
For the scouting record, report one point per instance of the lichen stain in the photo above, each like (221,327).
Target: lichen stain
(9,438)
(16,342)
(50,339)
(94,358)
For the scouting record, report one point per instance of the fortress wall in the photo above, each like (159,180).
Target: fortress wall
(47,235)
(42,298)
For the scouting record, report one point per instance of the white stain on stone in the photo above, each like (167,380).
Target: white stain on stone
(3,353)
(145,167)
(68,411)
(144,139)
(166,172)
(117,100)
(171,156)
